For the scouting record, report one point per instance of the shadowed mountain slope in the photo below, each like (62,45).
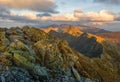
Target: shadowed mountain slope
(88,44)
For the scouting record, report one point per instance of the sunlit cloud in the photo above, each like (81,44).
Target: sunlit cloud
(101,16)
(66,17)
(35,5)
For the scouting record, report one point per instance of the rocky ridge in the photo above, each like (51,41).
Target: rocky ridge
(31,55)
(76,29)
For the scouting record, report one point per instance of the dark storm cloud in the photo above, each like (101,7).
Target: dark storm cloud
(17,18)
(112,2)
(43,14)
(4,11)
(6,15)
(117,17)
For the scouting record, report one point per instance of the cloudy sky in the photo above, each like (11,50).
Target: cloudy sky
(98,13)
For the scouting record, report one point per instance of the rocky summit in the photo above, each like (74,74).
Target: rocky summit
(28,54)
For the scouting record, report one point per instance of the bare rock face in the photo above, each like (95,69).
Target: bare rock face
(31,55)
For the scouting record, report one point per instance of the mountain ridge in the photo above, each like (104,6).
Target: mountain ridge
(82,28)
(39,56)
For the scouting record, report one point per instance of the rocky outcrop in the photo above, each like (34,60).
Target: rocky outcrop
(31,55)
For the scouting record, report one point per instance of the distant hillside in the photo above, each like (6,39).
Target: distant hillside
(112,36)
(83,42)
(75,28)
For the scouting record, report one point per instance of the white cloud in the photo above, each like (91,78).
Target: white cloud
(66,17)
(78,17)
(102,16)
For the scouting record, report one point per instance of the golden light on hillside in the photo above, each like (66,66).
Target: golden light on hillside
(98,38)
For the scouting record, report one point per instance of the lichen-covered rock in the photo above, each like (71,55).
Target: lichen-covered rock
(42,71)
(15,74)
(35,34)
(51,54)
(48,54)
(76,74)
(4,42)
(22,61)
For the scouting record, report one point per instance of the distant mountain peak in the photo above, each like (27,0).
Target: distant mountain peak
(75,31)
